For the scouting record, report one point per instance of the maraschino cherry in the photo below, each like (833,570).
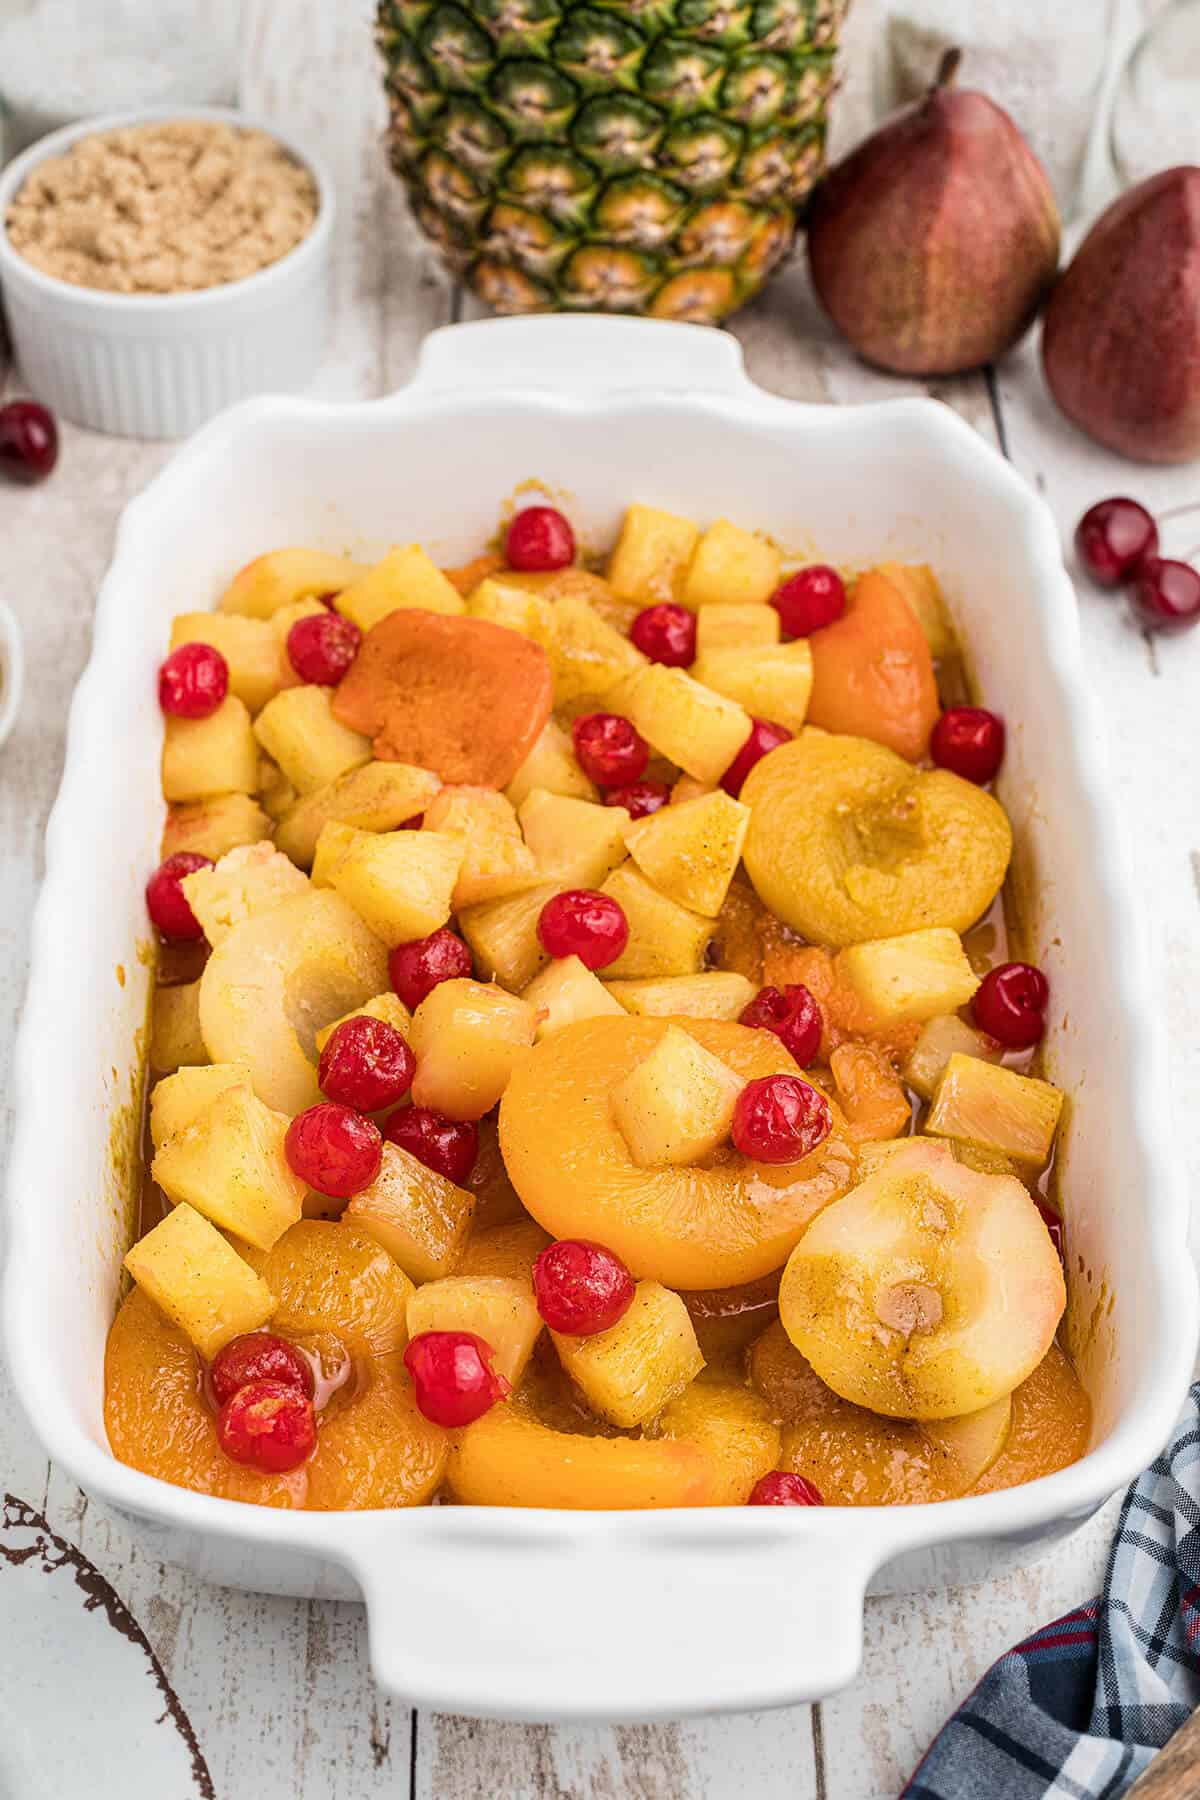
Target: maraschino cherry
(540,539)
(580,1287)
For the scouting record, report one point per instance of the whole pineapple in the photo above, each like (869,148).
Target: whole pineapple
(616,155)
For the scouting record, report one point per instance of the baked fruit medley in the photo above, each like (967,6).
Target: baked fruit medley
(588,1069)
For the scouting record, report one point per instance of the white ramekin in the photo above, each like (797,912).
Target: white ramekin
(158,366)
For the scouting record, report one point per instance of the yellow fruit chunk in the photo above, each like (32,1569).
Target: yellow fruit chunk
(733,1428)
(715,995)
(515,608)
(199,1280)
(404,577)
(496,860)
(175,1036)
(229,1164)
(276,980)
(551,765)
(997,1109)
(732,567)
(690,1227)
(508,1458)
(388,1007)
(503,936)
(399,882)
(628,1373)
(217,755)
(285,576)
(378,796)
(378,1452)
(180,1098)
(509,1250)
(916,975)
(250,647)
(246,881)
(848,841)
(919,585)
(281,622)
(312,748)
(1051,1425)
(941,1038)
(574,841)
(500,1311)
(566,990)
(735,627)
(588,656)
(869,1092)
(772,681)
(419,1217)
(664,937)
(687,723)
(468,1037)
(332,845)
(690,852)
(928,1291)
(336,1277)
(652,554)
(213,826)
(676,1104)
(276,795)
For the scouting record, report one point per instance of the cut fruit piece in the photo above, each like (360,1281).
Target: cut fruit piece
(229,1164)
(664,937)
(732,567)
(847,841)
(216,755)
(332,845)
(284,576)
(509,1250)
(736,627)
(1051,1425)
(565,991)
(551,764)
(404,578)
(276,980)
(503,936)
(973,1441)
(940,1039)
(336,1277)
(652,555)
(419,1217)
(175,1035)
(312,748)
(771,681)
(628,1373)
(574,841)
(496,860)
(928,1291)
(399,882)
(468,1037)
(388,1007)
(467,576)
(997,1109)
(919,585)
(213,826)
(675,1105)
(246,881)
(589,656)
(379,1452)
(735,1430)
(687,723)
(695,1227)
(714,995)
(872,672)
(509,1458)
(276,795)
(502,1312)
(250,648)
(869,1092)
(198,1279)
(378,796)
(180,1098)
(690,852)
(515,608)
(915,975)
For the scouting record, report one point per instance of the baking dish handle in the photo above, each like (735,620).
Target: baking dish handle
(543,1623)
(580,354)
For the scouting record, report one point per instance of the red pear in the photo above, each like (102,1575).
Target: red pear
(932,244)
(1121,340)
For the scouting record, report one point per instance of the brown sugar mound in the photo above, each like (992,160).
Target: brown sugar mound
(460,696)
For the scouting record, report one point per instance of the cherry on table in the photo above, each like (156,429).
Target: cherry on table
(321,647)
(268,1424)
(1010,1005)
(1112,538)
(781,1488)
(639,798)
(447,1146)
(809,600)
(258,1356)
(416,968)
(28,441)
(166,901)
(780,1119)
(192,681)
(764,736)
(666,634)
(334,1149)
(454,1382)
(580,1287)
(366,1064)
(583,923)
(1166,594)
(792,1014)
(609,749)
(968,741)
(539,539)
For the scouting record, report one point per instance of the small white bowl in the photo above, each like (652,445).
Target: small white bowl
(12,670)
(159,365)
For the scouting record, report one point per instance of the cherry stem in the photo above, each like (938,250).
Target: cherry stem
(947,68)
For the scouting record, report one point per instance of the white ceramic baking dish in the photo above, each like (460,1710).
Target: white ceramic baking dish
(537,1615)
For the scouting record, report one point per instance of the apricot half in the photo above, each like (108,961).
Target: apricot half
(847,841)
(707,1225)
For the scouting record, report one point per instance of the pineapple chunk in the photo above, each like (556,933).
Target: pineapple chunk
(517,609)
(312,748)
(664,937)
(689,724)
(690,852)
(772,681)
(182,1097)
(332,845)
(404,578)
(217,755)
(675,1105)
(914,976)
(919,585)
(496,860)
(551,764)
(467,1036)
(387,1007)
(941,1038)
(504,938)
(997,1109)
(419,1217)
(245,881)
(276,795)
(588,656)
(722,627)
(213,826)
(250,647)
(379,796)
(575,841)
(567,990)
(229,1164)
(399,882)
(717,994)
(501,1312)
(198,1279)
(284,576)
(175,1036)
(732,567)
(628,1373)
(650,562)
(688,788)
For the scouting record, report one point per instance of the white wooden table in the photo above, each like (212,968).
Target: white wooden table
(201,1692)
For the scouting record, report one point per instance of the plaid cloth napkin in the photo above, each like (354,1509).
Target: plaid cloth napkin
(1078,1711)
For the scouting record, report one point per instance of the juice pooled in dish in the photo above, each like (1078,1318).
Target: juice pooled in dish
(587,1066)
